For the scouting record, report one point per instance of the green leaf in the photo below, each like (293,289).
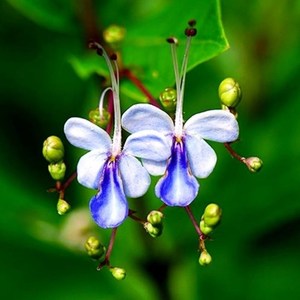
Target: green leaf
(145,45)
(145,50)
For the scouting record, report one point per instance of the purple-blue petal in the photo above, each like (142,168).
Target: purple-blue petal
(109,207)
(178,187)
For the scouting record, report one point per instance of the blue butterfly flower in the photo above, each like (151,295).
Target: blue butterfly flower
(115,172)
(190,155)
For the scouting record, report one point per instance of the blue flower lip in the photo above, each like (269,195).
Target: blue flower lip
(178,187)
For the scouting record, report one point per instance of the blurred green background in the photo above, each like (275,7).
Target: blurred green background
(255,250)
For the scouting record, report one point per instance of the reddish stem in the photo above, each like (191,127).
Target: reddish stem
(106,262)
(202,236)
(233,153)
(69,181)
(135,218)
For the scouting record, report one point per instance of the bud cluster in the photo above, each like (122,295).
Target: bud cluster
(211,218)
(94,248)
(154,224)
(53,151)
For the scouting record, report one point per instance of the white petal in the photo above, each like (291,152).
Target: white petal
(155,168)
(202,158)
(90,168)
(148,144)
(146,116)
(135,178)
(215,125)
(86,135)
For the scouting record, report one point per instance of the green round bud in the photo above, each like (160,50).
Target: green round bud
(205,258)
(254,164)
(114,34)
(168,99)
(62,206)
(57,170)
(155,217)
(99,120)
(154,231)
(205,228)
(212,215)
(230,92)
(94,248)
(53,149)
(118,273)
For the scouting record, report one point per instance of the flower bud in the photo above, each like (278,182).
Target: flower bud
(168,99)
(155,217)
(53,149)
(205,258)
(57,170)
(94,248)
(100,120)
(205,228)
(230,92)
(62,206)
(114,34)
(254,164)
(154,231)
(118,273)
(212,215)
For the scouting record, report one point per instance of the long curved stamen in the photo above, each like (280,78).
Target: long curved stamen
(114,76)
(178,113)
(180,77)
(101,100)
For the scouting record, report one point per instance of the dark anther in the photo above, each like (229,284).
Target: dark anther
(113,56)
(172,40)
(100,51)
(190,32)
(192,23)
(92,45)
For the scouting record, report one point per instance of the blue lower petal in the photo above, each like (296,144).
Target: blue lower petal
(109,207)
(178,187)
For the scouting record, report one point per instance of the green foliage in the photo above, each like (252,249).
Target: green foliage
(145,50)
(48,75)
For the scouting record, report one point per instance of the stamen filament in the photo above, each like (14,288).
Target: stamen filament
(114,75)
(178,113)
(180,82)
(101,100)
(117,137)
